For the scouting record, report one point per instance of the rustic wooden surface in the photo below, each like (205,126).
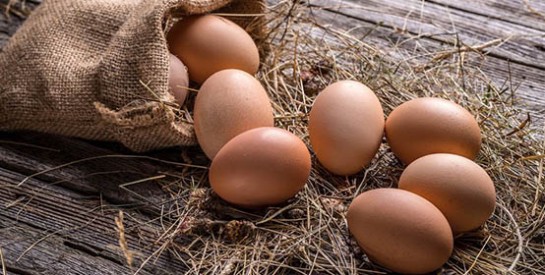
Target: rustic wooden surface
(62,221)
(427,26)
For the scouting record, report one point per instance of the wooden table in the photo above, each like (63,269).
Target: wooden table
(62,219)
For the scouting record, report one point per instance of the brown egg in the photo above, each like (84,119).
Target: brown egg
(178,80)
(229,103)
(460,188)
(346,125)
(260,167)
(400,230)
(428,125)
(207,44)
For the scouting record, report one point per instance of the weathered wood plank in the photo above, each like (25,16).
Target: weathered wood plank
(102,175)
(80,221)
(387,33)
(527,13)
(79,202)
(436,22)
(28,250)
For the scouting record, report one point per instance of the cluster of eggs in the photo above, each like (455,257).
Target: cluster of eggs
(441,193)
(254,164)
(409,229)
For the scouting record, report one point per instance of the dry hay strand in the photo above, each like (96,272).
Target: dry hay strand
(308,234)
(122,240)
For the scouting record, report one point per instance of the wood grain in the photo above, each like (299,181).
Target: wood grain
(439,23)
(79,217)
(418,27)
(526,13)
(41,252)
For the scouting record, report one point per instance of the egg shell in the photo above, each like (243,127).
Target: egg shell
(459,187)
(346,126)
(400,230)
(428,125)
(260,167)
(178,80)
(229,102)
(207,44)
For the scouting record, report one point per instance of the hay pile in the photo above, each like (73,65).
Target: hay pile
(308,235)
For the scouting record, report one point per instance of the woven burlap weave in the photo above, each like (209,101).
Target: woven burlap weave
(98,69)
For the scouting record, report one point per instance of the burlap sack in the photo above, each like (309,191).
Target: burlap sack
(98,69)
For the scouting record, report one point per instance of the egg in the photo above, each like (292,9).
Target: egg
(428,125)
(457,186)
(227,104)
(207,44)
(346,125)
(400,230)
(178,80)
(260,167)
